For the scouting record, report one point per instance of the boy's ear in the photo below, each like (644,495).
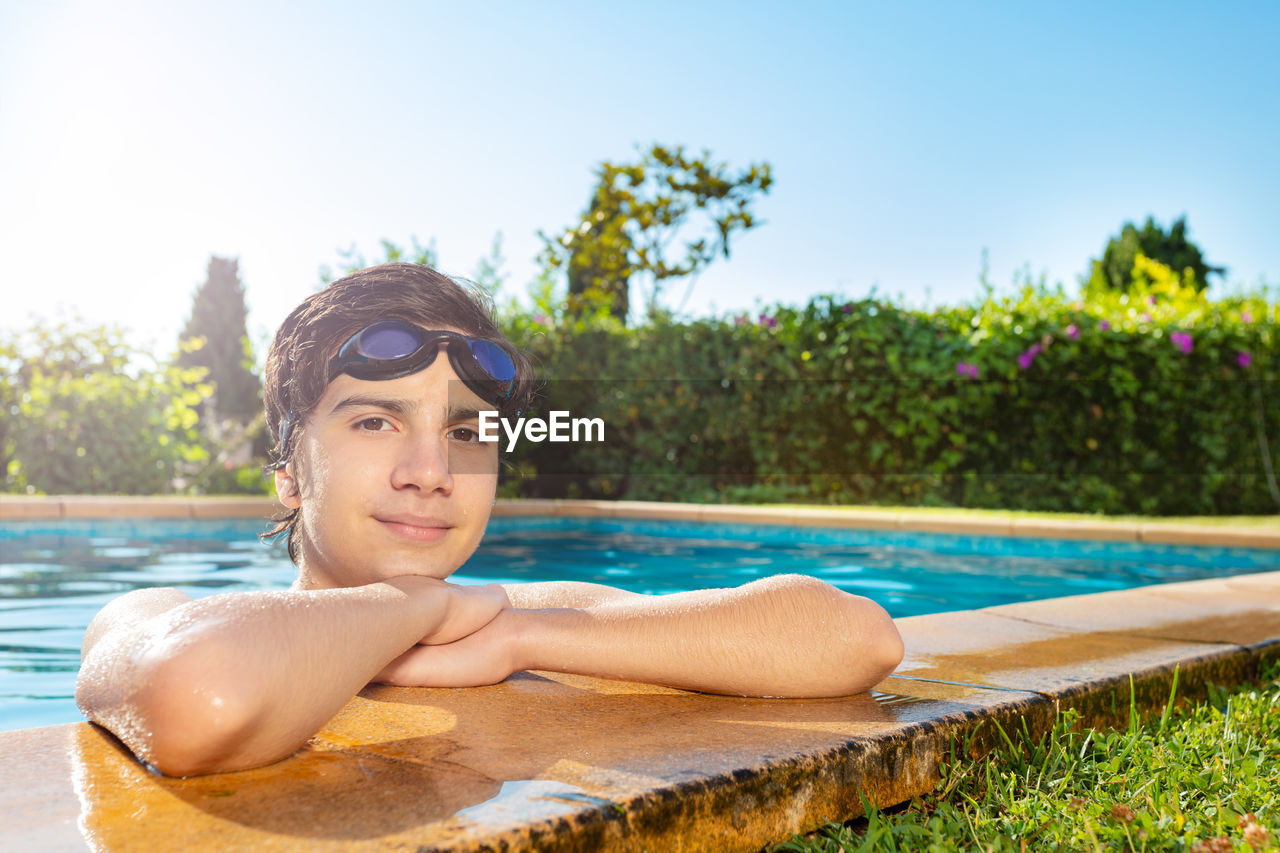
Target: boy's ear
(287,487)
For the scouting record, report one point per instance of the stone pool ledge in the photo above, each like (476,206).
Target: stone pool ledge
(554,762)
(17,508)
(41,508)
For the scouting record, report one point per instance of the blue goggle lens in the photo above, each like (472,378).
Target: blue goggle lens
(388,342)
(493,359)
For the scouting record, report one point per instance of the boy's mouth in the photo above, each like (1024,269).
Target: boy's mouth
(416,527)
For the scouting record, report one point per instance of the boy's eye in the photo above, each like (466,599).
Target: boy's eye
(466,434)
(374,424)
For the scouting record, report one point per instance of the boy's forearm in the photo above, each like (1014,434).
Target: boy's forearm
(788,636)
(544,594)
(244,679)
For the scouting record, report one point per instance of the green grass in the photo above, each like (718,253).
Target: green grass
(1202,778)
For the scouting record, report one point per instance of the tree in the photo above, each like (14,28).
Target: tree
(218,316)
(353,259)
(1173,249)
(92,415)
(635,214)
(488,274)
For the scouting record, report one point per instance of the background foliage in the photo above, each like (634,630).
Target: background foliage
(217,322)
(1171,248)
(637,211)
(88,414)
(1153,400)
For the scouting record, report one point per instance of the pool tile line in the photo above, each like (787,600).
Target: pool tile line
(20,508)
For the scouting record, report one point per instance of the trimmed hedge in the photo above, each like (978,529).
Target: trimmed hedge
(1155,401)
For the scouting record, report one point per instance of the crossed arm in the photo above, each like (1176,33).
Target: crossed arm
(243,679)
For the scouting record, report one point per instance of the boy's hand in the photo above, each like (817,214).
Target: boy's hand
(469,609)
(485,656)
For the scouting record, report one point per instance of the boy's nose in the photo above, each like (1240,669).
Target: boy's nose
(424,465)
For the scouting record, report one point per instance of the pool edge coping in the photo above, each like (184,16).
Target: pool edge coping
(22,508)
(897,764)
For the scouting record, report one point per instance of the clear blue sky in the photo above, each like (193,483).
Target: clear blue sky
(138,138)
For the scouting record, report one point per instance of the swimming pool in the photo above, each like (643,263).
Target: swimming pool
(55,575)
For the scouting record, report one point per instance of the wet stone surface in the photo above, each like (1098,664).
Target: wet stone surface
(555,762)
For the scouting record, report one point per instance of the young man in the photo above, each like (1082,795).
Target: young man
(374,388)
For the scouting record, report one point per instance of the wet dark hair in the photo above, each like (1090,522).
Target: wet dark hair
(297,368)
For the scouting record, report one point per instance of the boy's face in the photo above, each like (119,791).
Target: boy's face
(391,479)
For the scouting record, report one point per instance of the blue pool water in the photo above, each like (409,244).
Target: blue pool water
(54,576)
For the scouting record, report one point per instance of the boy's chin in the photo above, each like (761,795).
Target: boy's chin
(322,579)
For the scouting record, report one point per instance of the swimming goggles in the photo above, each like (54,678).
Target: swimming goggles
(391,349)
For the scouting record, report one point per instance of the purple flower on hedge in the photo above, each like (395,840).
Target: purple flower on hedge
(1024,360)
(1246,317)
(1104,325)
(1073,332)
(1182,340)
(540,319)
(1146,318)
(767,321)
(964,368)
(741,320)
(1244,359)
(848,308)
(1151,299)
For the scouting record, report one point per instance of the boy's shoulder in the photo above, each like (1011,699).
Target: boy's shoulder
(130,609)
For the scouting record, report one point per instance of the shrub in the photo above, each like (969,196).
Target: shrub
(1154,400)
(84,414)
